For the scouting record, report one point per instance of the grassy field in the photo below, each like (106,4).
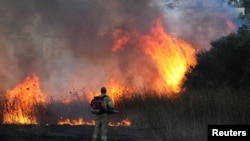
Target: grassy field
(186,117)
(182,118)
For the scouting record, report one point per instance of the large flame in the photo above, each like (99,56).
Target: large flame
(22,102)
(117,90)
(173,56)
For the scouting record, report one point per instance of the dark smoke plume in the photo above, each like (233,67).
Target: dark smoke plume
(60,41)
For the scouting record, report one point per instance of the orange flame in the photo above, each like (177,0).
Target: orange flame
(124,122)
(115,89)
(121,38)
(173,56)
(81,121)
(22,102)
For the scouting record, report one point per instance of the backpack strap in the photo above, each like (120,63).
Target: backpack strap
(103,96)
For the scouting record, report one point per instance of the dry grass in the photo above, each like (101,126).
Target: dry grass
(185,118)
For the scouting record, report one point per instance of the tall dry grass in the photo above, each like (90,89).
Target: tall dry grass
(185,118)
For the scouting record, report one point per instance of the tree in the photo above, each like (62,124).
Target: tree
(226,64)
(242,3)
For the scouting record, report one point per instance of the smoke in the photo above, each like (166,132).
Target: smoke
(62,41)
(199,21)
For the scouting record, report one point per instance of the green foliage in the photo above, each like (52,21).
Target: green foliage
(226,64)
(241,16)
(244,3)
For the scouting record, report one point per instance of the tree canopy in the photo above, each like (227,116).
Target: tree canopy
(244,3)
(226,64)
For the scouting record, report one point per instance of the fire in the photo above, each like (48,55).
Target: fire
(121,38)
(173,56)
(230,25)
(115,89)
(22,102)
(81,121)
(124,122)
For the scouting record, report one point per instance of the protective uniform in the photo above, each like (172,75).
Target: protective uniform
(102,120)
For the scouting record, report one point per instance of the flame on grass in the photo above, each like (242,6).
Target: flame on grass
(22,103)
(81,121)
(173,57)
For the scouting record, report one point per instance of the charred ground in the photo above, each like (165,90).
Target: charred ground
(68,133)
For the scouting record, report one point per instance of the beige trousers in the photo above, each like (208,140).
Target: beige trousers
(101,127)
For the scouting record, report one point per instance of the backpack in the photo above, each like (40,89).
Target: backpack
(97,105)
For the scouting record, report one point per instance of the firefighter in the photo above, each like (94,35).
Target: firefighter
(102,120)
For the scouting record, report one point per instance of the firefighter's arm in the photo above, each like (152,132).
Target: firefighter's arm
(110,105)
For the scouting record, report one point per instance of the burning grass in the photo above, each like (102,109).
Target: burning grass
(180,118)
(23,102)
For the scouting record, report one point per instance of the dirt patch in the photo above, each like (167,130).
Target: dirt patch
(69,133)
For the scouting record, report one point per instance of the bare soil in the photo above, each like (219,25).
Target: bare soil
(69,133)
